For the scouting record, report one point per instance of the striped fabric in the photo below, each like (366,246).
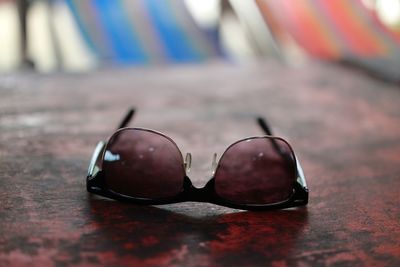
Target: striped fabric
(141,31)
(332,29)
(343,30)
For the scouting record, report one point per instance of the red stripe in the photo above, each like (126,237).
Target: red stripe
(394,35)
(303,28)
(361,40)
(313,24)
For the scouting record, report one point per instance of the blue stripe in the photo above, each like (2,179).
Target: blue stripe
(177,44)
(124,42)
(82,29)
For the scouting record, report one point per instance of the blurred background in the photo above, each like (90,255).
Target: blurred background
(82,35)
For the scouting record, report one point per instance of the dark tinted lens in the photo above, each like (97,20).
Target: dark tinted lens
(256,171)
(143,164)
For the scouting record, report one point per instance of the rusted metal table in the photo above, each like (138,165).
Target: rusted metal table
(344,126)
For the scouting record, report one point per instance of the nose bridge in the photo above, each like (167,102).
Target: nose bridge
(202,194)
(188,164)
(198,194)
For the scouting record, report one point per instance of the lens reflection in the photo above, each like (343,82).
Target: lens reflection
(256,171)
(143,164)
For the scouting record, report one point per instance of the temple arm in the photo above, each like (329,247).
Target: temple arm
(264,125)
(267,130)
(127,118)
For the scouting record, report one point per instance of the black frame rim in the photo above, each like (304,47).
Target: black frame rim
(97,185)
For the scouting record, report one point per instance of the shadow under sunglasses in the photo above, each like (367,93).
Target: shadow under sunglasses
(160,235)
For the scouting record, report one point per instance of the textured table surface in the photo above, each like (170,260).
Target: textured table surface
(344,126)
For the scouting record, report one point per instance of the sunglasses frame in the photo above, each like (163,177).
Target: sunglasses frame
(96,184)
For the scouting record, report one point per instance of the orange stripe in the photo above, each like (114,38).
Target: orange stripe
(361,40)
(394,35)
(375,38)
(269,17)
(324,35)
(308,30)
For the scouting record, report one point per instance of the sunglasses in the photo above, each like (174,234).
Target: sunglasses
(144,166)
